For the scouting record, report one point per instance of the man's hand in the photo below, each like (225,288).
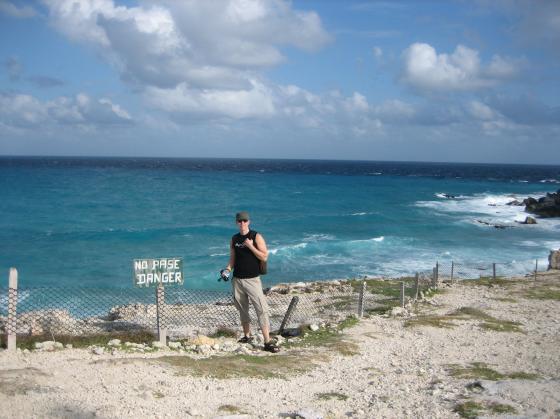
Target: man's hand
(249,243)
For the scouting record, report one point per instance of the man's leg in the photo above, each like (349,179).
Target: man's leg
(241,302)
(255,293)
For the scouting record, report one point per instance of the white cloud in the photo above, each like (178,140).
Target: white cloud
(426,70)
(481,111)
(12,10)
(193,56)
(25,111)
(237,104)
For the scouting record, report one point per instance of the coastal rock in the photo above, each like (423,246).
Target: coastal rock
(554,259)
(114,342)
(308,413)
(529,220)
(158,345)
(516,203)
(313,327)
(399,312)
(547,206)
(98,350)
(498,226)
(174,345)
(47,321)
(202,340)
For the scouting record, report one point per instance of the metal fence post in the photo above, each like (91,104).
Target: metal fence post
(494,271)
(288,314)
(160,309)
(361,300)
(434,280)
(11,328)
(402,294)
(452,267)
(536,268)
(437,272)
(416,286)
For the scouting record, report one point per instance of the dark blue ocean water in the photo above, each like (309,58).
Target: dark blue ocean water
(81,221)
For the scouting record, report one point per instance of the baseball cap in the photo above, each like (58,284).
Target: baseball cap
(243,215)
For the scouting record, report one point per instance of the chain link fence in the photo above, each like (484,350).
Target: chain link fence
(456,270)
(50,313)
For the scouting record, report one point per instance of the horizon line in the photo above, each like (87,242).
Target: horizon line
(3,156)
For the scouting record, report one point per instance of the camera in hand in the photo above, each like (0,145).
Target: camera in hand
(224,275)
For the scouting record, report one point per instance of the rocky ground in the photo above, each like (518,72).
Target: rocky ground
(480,348)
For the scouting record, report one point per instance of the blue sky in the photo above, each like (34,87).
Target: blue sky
(474,81)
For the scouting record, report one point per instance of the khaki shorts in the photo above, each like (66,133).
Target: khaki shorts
(250,289)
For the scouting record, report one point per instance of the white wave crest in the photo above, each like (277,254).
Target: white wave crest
(284,249)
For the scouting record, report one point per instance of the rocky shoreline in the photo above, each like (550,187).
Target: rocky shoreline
(473,348)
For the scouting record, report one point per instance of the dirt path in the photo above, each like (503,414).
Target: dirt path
(473,349)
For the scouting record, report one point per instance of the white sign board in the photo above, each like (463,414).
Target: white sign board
(159,271)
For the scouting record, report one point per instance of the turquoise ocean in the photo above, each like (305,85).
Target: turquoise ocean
(81,221)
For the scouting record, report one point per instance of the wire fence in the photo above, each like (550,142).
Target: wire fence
(50,313)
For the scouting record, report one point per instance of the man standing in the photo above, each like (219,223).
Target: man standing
(247,250)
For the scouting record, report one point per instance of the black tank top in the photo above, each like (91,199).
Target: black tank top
(246,263)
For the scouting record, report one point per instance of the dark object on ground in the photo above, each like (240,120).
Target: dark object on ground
(271,347)
(291,333)
(546,207)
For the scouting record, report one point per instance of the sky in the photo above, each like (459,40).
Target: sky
(454,80)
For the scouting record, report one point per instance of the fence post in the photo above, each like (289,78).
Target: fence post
(416,286)
(361,300)
(437,272)
(494,271)
(288,314)
(434,279)
(11,327)
(536,268)
(160,308)
(452,267)
(402,294)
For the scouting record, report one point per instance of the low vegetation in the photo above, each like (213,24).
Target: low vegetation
(480,370)
(488,281)
(332,396)
(473,409)
(465,313)
(242,366)
(101,339)
(230,409)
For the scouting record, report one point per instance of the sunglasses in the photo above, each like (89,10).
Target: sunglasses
(242,221)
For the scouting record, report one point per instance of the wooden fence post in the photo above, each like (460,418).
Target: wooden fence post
(288,314)
(11,327)
(160,311)
(402,294)
(361,300)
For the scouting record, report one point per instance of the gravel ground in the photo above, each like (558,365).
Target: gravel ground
(381,367)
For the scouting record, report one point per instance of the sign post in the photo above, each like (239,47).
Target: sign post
(158,273)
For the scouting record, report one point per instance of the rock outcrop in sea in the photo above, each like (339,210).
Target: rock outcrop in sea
(546,206)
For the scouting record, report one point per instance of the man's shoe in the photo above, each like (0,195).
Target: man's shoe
(271,347)
(245,339)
